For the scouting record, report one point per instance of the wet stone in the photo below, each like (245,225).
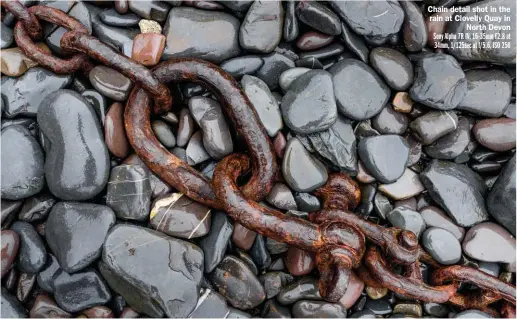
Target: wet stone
(32,254)
(156,274)
(319,17)
(299,262)
(148,48)
(407,219)
(178,216)
(495,134)
(23,95)
(414,29)
(22,163)
(13,62)
(215,243)
(354,43)
(385,156)
(371,18)
(154,10)
(365,313)
(110,83)
(236,313)
(274,281)
(488,92)
(490,268)
(329,51)
(360,93)
(379,306)
(279,144)
(480,241)
(313,40)
(439,82)
(163,133)
(264,103)
(309,62)
(243,237)
(305,288)
(113,18)
(9,209)
(472,314)
(435,217)
(274,65)
(76,231)
(114,36)
(158,186)
(129,192)
(114,131)
(433,125)
(6,36)
(318,309)
(447,181)
(402,102)
(25,284)
(185,128)
(196,152)
(261,30)
(353,291)
(46,307)
(307,202)
(310,89)
(209,35)
(388,121)
(240,66)
(289,76)
(276,247)
(208,114)
(11,308)
(281,197)
(393,66)
(80,291)
(453,144)
(273,309)
(442,245)
(501,199)
(47,275)
(10,244)
(237,283)
(210,305)
(98,101)
(408,185)
(247,260)
(301,170)
(436,309)
(259,253)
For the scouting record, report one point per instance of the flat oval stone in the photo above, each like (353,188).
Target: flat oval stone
(179,216)
(76,231)
(11,307)
(32,254)
(23,95)
(274,65)
(46,307)
(80,291)
(195,151)
(113,18)
(264,103)
(261,30)
(110,83)
(407,219)
(289,76)
(318,17)
(185,128)
(215,243)
(10,244)
(281,197)
(313,40)
(209,35)
(439,82)
(210,118)
(47,275)
(446,182)
(435,217)
(299,262)
(414,30)
(488,92)
(129,192)
(360,93)
(485,49)
(442,245)
(311,88)
(495,134)
(237,283)
(240,66)
(371,18)
(318,309)
(77,161)
(384,156)
(306,288)
(388,121)
(156,274)
(163,133)
(307,202)
(22,163)
(301,170)
(393,66)
(489,242)
(433,125)
(408,185)
(453,144)
(114,131)
(113,36)
(500,201)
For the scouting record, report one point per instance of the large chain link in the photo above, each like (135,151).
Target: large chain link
(336,235)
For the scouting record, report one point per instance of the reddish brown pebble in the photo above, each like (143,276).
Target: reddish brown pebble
(243,237)
(299,262)
(25,284)
(353,291)
(148,48)
(313,40)
(496,134)
(40,228)
(279,144)
(114,131)
(45,307)
(122,6)
(10,243)
(402,102)
(98,312)
(129,313)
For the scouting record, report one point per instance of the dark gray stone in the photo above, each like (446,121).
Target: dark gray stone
(215,243)
(435,217)
(163,133)
(318,309)
(281,197)
(319,17)
(289,76)
(453,144)
(32,254)
(110,83)
(77,160)
(261,30)
(388,121)
(433,125)
(274,65)
(442,245)
(153,10)
(291,28)
(47,275)
(115,19)
(274,281)
(240,66)
(6,36)
(307,202)
(414,29)
(10,306)
(210,305)
(393,66)
(354,43)
(195,151)
(114,36)
(306,288)
(501,199)
(384,156)
(407,219)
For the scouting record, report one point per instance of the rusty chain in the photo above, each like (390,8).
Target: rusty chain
(334,233)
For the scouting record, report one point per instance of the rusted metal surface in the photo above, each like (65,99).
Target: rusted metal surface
(82,42)
(238,108)
(24,16)
(51,62)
